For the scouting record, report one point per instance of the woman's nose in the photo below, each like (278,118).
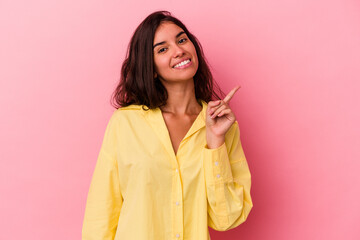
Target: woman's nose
(178,51)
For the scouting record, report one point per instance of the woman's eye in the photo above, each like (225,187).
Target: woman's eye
(182,40)
(161,50)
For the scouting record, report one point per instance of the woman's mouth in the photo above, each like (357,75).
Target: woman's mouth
(183,64)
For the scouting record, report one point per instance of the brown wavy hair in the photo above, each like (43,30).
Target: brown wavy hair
(137,84)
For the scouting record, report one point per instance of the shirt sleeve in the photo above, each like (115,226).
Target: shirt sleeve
(104,199)
(228,182)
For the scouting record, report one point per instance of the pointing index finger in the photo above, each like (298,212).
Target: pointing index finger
(231,94)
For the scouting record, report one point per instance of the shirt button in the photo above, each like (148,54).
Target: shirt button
(216,163)
(177,235)
(218,175)
(177,203)
(177,170)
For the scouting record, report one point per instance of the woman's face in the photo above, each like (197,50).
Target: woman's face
(175,56)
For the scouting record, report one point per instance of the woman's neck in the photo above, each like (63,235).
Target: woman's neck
(181,99)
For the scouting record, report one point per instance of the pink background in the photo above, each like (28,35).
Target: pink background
(298,109)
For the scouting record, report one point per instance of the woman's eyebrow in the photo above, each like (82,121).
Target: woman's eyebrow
(177,35)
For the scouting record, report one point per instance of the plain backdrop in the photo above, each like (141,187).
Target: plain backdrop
(298,107)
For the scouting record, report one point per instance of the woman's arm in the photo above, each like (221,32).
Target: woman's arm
(104,200)
(228,182)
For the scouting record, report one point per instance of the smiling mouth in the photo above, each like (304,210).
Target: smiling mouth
(185,62)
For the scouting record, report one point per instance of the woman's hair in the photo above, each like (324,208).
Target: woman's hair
(137,83)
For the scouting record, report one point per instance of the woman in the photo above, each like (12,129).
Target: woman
(171,162)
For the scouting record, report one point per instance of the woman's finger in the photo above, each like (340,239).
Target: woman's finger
(212,106)
(225,111)
(222,107)
(217,104)
(231,94)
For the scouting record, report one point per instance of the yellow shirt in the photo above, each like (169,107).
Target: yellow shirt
(141,190)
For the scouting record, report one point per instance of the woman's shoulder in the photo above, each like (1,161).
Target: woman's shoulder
(129,111)
(130,107)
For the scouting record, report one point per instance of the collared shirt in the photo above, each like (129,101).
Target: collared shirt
(142,190)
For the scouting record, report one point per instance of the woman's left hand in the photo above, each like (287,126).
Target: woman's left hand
(219,119)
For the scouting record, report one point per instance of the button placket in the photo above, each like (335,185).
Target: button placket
(177,210)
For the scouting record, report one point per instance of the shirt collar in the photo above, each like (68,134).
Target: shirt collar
(156,121)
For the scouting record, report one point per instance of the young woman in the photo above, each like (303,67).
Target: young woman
(171,162)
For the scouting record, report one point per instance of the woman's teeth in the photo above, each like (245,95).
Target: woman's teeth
(182,63)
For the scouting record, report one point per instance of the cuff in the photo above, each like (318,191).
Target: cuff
(217,164)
